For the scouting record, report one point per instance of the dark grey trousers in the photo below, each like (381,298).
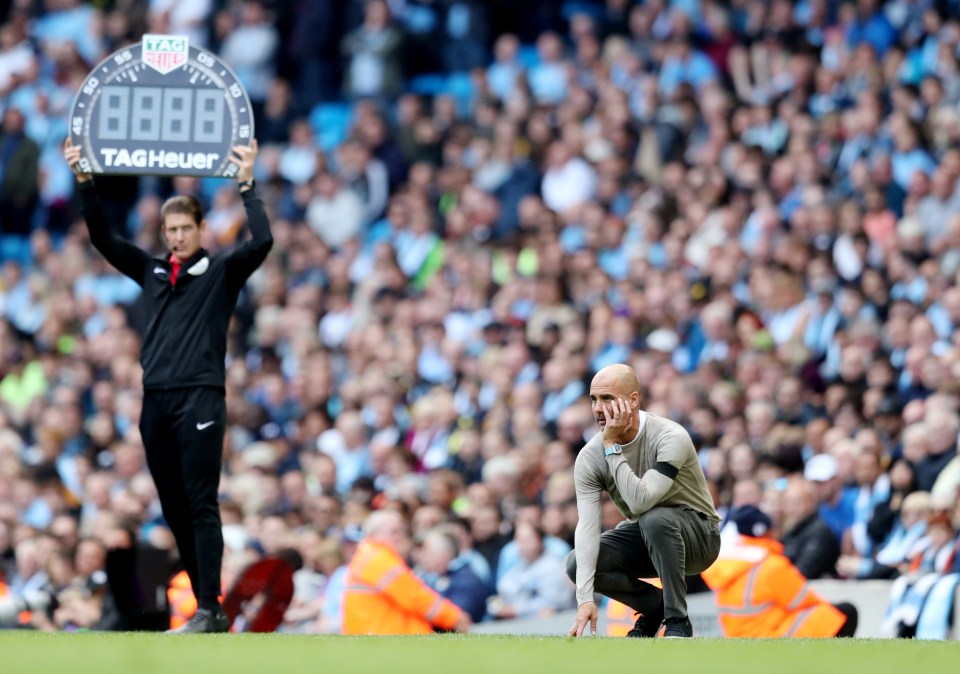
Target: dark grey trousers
(669,543)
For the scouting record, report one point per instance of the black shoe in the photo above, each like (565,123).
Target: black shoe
(648,625)
(204,621)
(678,628)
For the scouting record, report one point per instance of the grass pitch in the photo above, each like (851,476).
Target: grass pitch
(100,653)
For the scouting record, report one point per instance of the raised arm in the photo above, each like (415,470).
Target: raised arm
(245,258)
(127,258)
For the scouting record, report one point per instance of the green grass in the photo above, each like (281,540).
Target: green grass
(99,653)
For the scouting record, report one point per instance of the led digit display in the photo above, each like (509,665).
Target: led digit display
(161,107)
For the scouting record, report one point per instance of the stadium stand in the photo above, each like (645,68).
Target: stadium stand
(475,206)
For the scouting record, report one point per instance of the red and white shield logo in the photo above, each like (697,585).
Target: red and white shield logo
(165,53)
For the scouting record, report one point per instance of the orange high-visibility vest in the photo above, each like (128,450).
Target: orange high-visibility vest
(761,594)
(383,596)
(620,617)
(180,598)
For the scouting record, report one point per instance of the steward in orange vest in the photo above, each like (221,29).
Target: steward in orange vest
(760,594)
(182,601)
(621,618)
(383,596)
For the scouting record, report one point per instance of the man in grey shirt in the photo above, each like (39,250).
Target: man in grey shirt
(650,468)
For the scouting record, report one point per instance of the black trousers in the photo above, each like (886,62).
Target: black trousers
(182,432)
(669,543)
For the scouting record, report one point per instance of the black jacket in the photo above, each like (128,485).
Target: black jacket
(185,338)
(812,547)
(930,467)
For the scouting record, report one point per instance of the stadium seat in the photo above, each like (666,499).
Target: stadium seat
(528,57)
(430,84)
(330,122)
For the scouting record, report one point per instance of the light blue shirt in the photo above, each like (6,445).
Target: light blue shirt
(502,79)
(510,554)
(333,599)
(548,82)
(905,164)
(554,403)
(697,70)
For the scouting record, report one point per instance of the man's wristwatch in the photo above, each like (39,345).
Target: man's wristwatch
(612,449)
(248,183)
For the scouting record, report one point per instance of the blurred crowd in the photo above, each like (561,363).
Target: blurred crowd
(754,203)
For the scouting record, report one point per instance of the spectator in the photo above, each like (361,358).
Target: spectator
(531,587)
(181,17)
(487,530)
(569,180)
(549,78)
(19,181)
(313,47)
(251,50)
(465,34)
(835,501)
(684,65)
(455,581)
(346,444)
(944,427)
(373,50)
(400,605)
(871,27)
(503,73)
(909,524)
(808,542)
(366,176)
(911,595)
(16,57)
(336,213)
(766,579)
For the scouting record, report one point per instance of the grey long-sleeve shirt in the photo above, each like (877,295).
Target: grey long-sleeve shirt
(659,467)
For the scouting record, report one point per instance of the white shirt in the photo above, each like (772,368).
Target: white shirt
(336,220)
(570,185)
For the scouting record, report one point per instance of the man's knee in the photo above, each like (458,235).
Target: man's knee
(571,565)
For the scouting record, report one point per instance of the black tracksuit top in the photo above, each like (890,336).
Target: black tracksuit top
(185,340)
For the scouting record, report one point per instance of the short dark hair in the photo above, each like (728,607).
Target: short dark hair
(182,203)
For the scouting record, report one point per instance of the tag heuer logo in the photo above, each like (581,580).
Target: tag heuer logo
(165,53)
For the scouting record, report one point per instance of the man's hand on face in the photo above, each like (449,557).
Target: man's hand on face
(621,422)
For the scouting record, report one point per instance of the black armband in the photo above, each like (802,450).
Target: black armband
(666,469)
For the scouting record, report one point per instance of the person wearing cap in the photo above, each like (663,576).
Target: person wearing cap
(651,470)
(760,594)
(836,504)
